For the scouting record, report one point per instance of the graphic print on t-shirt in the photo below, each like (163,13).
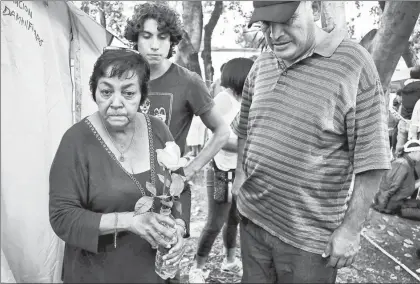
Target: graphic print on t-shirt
(159,105)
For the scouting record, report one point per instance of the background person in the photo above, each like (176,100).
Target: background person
(400,183)
(216,87)
(221,210)
(410,94)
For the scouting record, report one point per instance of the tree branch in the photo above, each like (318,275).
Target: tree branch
(208,32)
(392,37)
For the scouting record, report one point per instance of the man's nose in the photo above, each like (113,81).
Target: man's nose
(277,31)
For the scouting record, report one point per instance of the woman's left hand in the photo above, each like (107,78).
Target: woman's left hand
(176,253)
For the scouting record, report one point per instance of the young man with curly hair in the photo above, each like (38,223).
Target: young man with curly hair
(176,94)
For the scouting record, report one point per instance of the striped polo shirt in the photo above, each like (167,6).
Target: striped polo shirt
(308,128)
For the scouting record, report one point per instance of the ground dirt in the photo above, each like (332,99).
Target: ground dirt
(399,237)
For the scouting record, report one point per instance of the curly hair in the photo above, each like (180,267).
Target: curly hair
(168,21)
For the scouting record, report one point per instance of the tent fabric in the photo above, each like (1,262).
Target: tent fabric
(6,272)
(36,110)
(89,39)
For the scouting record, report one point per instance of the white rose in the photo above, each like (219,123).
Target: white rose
(170,157)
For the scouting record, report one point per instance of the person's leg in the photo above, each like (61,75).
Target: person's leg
(256,254)
(216,217)
(394,137)
(230,231)
(401,136)
(294,265)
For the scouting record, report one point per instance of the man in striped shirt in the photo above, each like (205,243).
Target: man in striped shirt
(313,114)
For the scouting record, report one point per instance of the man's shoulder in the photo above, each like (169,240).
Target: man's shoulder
(265,59)
(359,60)
(353,49)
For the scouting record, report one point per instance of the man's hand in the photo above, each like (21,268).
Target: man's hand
(237,183)
(342,247)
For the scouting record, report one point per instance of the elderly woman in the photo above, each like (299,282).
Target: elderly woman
(100,171)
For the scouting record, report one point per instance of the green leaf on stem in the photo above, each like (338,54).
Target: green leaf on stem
(143,205)
(177,185)
(150,187)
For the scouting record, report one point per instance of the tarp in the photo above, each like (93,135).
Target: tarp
(36,110)
(88,42)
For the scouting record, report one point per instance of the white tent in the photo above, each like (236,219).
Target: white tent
(38,41)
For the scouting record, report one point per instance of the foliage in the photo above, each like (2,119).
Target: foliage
(113,11)
(376,13)
(415,38)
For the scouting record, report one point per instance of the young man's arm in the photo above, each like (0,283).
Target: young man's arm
(213,120)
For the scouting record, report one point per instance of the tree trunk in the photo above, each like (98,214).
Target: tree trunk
(192,17)
(85,7)
(101,13)
(410,57)
(333,15)
(188,48)
(187,56)
(391,39)
(208,32)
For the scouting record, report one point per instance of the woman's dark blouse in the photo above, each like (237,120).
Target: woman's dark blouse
(85,182)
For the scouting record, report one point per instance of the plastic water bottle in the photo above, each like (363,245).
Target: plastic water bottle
(161,268)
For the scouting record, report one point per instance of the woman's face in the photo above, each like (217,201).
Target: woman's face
(118,99)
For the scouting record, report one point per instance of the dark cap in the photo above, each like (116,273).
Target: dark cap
(273,11)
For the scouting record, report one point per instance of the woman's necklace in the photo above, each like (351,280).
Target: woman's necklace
(121,158)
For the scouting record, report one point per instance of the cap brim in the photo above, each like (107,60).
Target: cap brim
(279,13)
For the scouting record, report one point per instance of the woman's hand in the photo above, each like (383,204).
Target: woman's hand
(176,253)
(152,227)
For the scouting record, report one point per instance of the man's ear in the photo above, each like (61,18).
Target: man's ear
(316,10)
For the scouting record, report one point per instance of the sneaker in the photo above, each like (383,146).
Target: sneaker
(196,275)
(233,267)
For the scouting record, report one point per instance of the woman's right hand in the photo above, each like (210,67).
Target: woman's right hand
(152,227)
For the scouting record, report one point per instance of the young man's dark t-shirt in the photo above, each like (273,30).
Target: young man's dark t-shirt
(175,97)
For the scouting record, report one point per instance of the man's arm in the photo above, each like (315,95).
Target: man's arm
(344,243)
(366,185)
(213,120)
(239,172)
(369,153)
